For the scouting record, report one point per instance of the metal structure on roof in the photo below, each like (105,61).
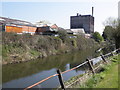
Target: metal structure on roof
(83,21)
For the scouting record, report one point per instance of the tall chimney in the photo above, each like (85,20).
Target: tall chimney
(77,14)
(92,10)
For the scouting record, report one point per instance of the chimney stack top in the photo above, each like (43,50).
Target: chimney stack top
(92,10)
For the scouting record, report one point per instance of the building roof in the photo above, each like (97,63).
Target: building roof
(83,16)
(79,30)
(5,20)
(69,31)
(54,26)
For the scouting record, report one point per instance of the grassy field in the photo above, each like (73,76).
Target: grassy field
(106,79)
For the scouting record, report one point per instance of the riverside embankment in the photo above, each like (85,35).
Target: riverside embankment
(47,54)
(107,77)
(20,48)
(70,52)
(23,75)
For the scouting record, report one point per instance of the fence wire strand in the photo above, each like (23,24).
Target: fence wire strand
(66,71)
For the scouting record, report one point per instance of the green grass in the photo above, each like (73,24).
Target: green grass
(110,80)
(111,75)
(106,79)
(72,79)
(34,52)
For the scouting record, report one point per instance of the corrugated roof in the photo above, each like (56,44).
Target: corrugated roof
(5,20)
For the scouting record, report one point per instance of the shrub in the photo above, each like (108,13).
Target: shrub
(97,37)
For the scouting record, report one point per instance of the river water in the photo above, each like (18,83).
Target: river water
(25,74)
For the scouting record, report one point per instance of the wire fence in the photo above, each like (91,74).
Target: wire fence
(90,62)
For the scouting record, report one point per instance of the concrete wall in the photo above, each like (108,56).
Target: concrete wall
(76,22)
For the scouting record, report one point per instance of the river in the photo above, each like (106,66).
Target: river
(25,74)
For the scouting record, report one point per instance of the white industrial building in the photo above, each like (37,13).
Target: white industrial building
(78,31)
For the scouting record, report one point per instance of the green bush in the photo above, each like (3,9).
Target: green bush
(63,35)
(97,37)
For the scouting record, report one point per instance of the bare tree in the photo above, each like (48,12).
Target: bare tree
(111,22)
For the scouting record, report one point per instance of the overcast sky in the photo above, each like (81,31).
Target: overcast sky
(59,12)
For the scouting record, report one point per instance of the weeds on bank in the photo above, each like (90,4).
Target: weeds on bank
(108,72)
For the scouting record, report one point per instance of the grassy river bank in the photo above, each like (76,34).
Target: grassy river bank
(108,78)
(19,48)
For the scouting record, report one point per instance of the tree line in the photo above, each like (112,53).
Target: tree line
(111,32)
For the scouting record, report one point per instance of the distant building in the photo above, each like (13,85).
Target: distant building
(17,26)
(54,27)
(78,31)
(47,30)
(69,31)
(87,35)
(82,21)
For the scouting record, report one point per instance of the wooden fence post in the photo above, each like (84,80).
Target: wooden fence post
(90,65)
(60,79)
(118,51)
(112,54)
(103,58)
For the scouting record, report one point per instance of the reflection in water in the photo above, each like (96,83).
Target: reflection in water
(25,74)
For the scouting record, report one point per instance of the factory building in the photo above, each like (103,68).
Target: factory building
(47,30)
(85,22)
(20,27)
(17,26)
